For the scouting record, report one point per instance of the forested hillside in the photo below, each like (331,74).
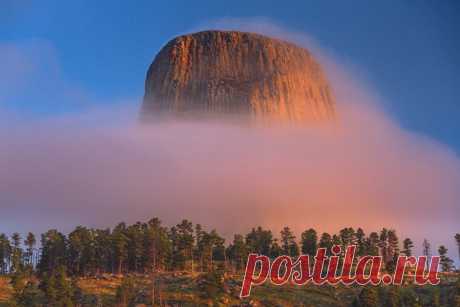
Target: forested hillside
(186,264)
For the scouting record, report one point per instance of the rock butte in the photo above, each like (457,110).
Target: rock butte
(213,73)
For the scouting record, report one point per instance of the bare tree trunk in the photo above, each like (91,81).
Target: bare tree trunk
(119,266)
(191,256)
(153,254)
(159,293)
(153,288)
(210,257)
(201,262)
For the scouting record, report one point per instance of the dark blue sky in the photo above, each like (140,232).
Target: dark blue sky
(60,55)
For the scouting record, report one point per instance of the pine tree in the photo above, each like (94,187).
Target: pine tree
(309,242)
(183,242)
(407,247)
(259,241)
(336,240)
(158,245)
(326,242)
(54,251)
(393,243)
(372,244)
(5,253)
(206,247)
(347,237)
(218,248)
(457,239)
(392,251)
(445,261)
(29,242)
(80,250)
(238,252)
(426,248)
(16,252)
(383,245)
(102,250)
(275,249)
(360,242)
(210,247)
(119,247)
(135,246)
(199,252)
(288,243)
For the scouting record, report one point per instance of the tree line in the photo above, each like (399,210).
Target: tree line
(151,247)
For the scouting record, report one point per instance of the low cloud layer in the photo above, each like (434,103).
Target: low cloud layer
(361,171)
(103,167)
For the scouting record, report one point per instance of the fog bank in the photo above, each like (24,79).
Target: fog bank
(102,167)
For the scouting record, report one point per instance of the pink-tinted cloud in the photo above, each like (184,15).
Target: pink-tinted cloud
(362,171)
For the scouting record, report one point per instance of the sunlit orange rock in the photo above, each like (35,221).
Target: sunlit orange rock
(214,73)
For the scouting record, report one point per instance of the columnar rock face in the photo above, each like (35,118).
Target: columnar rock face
(236,73)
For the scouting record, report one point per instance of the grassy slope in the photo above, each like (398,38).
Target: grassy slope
(5,289)
(184,290)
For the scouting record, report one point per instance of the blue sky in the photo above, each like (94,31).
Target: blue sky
(61,56)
